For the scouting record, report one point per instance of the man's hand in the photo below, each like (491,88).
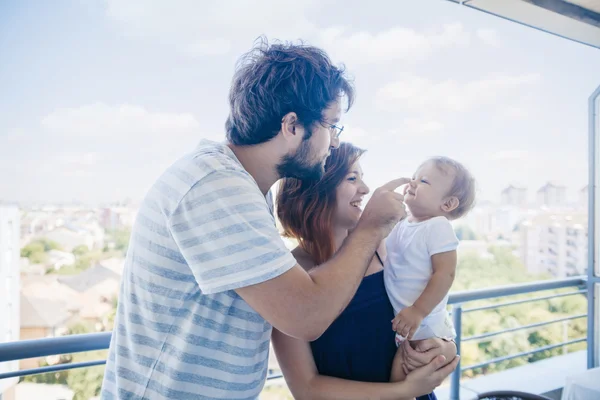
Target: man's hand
(407,322)
(384,209)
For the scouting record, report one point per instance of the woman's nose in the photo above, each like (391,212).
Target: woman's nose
(365,189)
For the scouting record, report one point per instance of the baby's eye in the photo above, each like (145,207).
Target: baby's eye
(424,181)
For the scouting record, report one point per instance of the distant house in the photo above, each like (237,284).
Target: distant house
(29,390)
(70,236)
(96,287)
(27,268)
(40,318)
(58,259)
(115,264)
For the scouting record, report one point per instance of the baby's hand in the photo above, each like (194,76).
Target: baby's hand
(407,322)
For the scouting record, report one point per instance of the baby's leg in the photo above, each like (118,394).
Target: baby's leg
(398,373)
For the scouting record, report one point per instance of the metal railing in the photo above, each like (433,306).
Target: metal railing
(100,341)
(458,299)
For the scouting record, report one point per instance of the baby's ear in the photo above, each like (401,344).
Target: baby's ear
(450,204)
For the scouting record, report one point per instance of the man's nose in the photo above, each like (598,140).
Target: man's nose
(335,142)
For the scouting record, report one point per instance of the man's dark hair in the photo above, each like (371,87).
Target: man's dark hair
(272,80)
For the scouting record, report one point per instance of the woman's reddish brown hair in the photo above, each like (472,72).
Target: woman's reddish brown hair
(305,208)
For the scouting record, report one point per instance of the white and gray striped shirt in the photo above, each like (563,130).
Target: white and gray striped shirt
(181,331)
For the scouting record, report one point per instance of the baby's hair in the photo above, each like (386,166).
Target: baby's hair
(463,187)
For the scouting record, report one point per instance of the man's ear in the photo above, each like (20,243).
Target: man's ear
(289,126)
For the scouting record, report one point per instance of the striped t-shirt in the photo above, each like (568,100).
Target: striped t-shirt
(181,331)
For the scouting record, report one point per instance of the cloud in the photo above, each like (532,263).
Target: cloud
(424,95)
(97,152)
(77,160)
(514,112)
(14,137)
(358,136)
(120,123)
(111,140)
(489,37)
(199,28)
(397,43)
(413,130)
(510,155)
(421,126)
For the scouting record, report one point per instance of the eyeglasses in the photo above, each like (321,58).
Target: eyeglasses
(335,130)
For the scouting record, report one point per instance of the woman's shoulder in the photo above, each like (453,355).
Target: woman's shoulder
(303,258)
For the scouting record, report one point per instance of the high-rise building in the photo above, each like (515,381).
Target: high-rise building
(552,195)
(514,196)
(9,290)
(583,198)
(555,243)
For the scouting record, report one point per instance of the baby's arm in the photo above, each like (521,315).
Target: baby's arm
(444,269)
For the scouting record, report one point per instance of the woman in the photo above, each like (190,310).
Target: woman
(353,358)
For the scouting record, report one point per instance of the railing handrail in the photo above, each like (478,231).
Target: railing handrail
(520,288)
(23,349)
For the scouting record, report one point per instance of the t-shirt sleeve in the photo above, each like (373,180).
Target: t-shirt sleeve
(227,235)
(440,236)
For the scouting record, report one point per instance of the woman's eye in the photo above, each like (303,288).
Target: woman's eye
(352,178)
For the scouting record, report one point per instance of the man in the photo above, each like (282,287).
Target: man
(206,274)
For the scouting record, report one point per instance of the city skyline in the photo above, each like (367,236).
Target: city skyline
(94,117)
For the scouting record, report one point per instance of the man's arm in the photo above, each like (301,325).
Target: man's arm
(302,304)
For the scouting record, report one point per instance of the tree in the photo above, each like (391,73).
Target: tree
(503,268)
(49,244)
(32,248)
(37,249)
(464,232)
(122,239)
(34,251)
(86,382)
(80,250)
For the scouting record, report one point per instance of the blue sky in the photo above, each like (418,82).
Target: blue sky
(99,96)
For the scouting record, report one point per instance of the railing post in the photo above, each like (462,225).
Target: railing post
(593,231)
(455,379)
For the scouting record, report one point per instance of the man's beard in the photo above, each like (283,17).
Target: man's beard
(299,165)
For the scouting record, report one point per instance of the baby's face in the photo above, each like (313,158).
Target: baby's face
(428,190)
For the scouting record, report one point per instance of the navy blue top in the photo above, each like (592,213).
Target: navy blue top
(359,345)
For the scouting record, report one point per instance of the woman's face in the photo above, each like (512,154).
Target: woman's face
(349,196)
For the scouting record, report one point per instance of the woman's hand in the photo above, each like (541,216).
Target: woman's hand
(425,379)
(426,351)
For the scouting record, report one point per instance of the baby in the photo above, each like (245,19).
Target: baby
(421,254)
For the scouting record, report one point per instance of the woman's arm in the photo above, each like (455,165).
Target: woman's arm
(426,351)
(298,366)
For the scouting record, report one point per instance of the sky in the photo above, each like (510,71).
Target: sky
(99,96)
